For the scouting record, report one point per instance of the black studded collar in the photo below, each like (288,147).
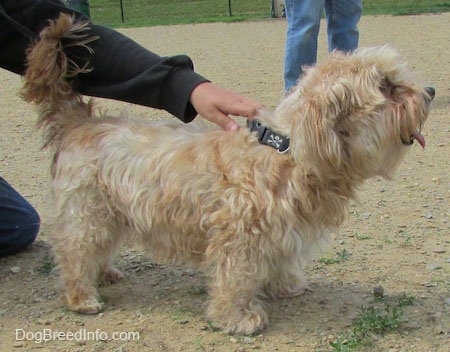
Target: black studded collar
(268,136)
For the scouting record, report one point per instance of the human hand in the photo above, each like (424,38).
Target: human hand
(216,104)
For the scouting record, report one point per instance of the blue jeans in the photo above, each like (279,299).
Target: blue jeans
(19,221)
(303,23)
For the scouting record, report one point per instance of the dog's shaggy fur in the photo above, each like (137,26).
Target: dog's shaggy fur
(245,214)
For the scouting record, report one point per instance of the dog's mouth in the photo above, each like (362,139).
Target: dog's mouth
(430,92)
(415,136)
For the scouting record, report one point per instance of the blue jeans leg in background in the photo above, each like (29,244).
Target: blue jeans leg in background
(19,221)
(303,24)
(342,24)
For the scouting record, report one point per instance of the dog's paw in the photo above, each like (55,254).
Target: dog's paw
(293,287)
(112,275)
(251,322)
(293,292)
(89,306)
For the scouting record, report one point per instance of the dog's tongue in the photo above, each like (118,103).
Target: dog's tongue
(420,139)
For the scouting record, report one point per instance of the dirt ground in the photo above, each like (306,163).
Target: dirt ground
(397,237)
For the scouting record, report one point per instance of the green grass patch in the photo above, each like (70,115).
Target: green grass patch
(340,257)
(374,321)
(404,7)
(46,265)
(362,237)
(135,13)
(170,12)
(197,290)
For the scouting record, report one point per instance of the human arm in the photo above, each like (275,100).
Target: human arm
(121,68)
(168,83)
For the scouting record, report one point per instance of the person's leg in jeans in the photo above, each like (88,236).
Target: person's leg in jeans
(342,24)
(19,221)
(303,24)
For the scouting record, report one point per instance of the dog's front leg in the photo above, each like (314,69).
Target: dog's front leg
(287,279)
(236,284)
(286,276)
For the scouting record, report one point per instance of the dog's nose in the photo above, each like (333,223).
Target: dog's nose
(430,91)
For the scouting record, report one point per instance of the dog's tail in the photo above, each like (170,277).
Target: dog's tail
(49,74)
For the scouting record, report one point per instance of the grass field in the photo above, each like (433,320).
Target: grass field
(135,13)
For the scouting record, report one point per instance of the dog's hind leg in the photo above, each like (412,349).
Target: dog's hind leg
(83,245)
(80,268)
(84,262)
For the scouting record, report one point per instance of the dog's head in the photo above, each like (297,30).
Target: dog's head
(355,114)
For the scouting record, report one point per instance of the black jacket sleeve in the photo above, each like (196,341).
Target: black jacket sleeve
(121,68)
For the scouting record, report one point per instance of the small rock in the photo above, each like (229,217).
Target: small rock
(433,266)
(378,291)
(438,330)
(15,269)
(233,340)
(248,340)
(43,322)
(429,284)
(439,250)
(447,301)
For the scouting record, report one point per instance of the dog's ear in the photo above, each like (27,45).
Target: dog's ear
(319,141)
(318,144)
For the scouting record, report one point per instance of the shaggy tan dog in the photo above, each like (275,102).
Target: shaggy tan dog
(244,213)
